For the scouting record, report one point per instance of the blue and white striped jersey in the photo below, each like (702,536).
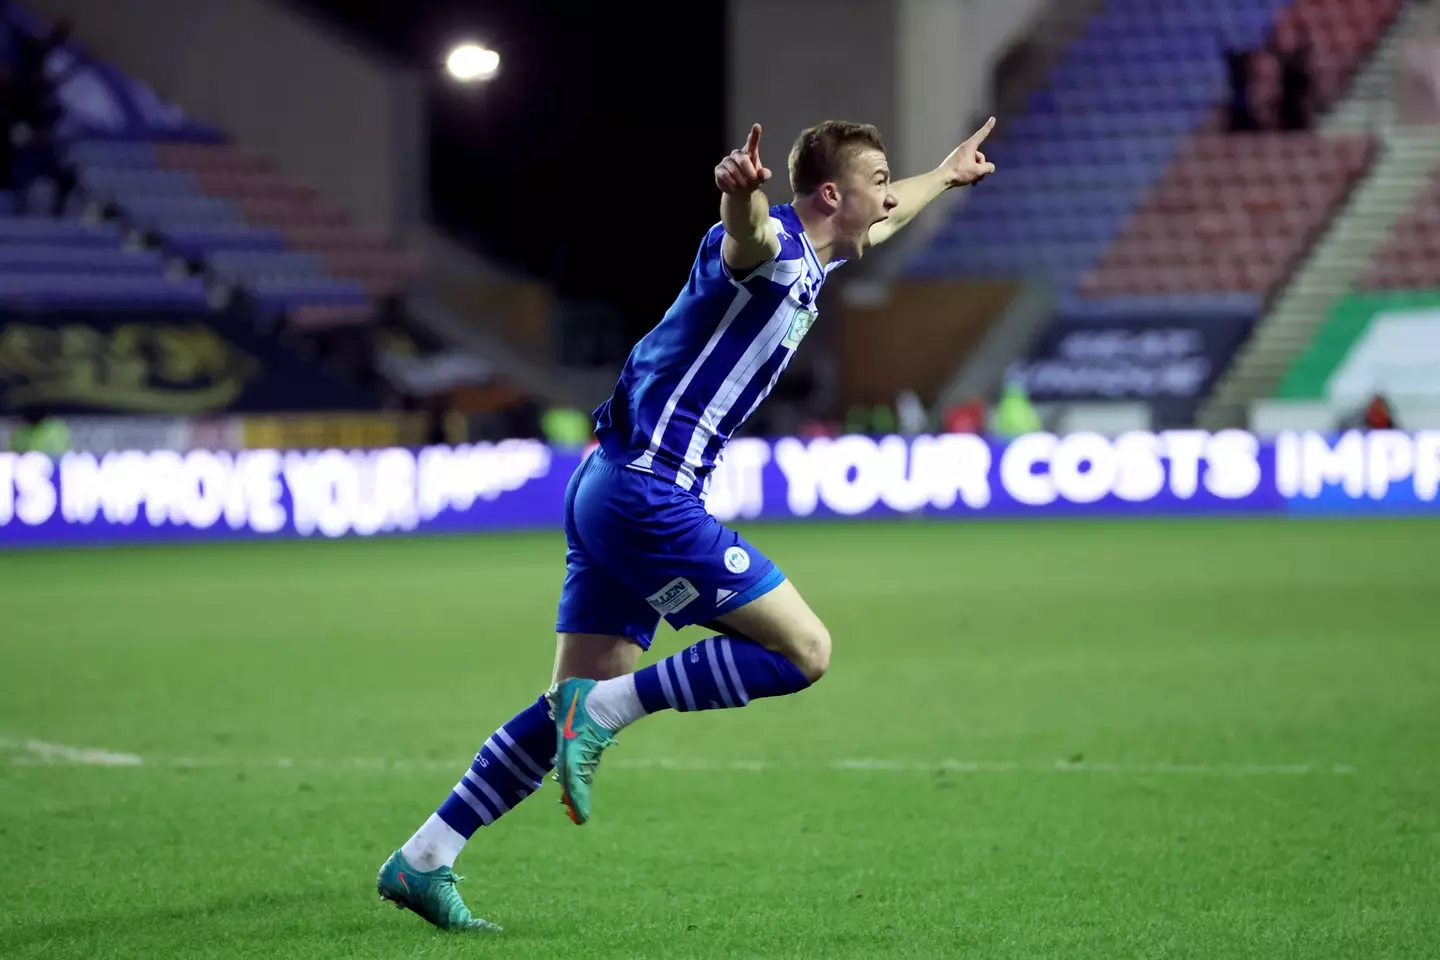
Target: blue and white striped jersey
(691,382)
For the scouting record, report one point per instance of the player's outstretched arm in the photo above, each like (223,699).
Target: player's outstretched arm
(750,238)
(965,165)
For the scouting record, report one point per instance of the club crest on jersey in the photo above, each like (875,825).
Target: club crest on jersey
(737,560)
(673,597)
(804,320)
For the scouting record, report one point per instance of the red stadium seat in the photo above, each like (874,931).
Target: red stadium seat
(308,222)
(1233,213)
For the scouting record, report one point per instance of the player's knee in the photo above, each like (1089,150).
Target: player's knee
(810,651)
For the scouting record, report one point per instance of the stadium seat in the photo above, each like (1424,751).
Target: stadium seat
(233,214)
(1117,181)
(60,258)
(220,158)
(167,219)
(44,230)
(197,240)
(1232,213)
(75,290)
(243,265)
(1410,258)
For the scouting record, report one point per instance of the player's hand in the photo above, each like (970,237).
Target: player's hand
(742,171)
(966,164)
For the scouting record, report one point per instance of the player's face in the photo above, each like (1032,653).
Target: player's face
(865,200)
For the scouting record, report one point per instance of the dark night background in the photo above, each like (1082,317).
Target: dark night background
(592,149)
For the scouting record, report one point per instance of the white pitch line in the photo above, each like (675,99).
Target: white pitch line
(36,752)
(39,751)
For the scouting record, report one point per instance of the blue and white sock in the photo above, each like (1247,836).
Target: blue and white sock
(714,674)
(509,767)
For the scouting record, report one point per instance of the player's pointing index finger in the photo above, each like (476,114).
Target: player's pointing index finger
(978,137)
(752,143)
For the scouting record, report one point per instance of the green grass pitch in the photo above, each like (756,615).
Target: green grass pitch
(1199,739)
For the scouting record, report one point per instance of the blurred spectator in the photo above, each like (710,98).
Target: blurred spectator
(910,413)
(1296,80)
(29,113)
(40,432)
(1237,68)
(883,421)
(438,422)
(967,417)
(10,112)
(810,429)
(1378,415)
(1375,415)
(1014,416)
(567,428)
(877,420)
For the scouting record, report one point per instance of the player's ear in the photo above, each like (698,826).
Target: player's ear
(830,193)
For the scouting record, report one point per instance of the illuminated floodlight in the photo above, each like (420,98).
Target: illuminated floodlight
(472,63)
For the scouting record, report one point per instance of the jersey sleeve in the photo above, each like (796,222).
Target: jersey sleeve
(787,266)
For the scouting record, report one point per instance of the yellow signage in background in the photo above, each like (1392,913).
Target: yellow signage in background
(134,367)
(338,430)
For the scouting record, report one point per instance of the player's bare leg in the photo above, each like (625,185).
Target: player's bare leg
(783,622)
(593,656)
(582,659)
(772,646)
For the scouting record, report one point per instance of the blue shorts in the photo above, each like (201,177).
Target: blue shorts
(640,548)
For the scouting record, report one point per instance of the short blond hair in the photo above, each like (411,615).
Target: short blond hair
(821,152)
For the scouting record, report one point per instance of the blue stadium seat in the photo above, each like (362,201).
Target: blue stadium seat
(111,154)
(1244,305)
(292,291)
(44,230)
(1083,150)
(246,265)
(77,290)
(120,184)
(39,259)
(197,241)
(1127,98)
(153,211)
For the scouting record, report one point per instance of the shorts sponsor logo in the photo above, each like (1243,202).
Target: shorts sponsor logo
(737,560)
(674,596)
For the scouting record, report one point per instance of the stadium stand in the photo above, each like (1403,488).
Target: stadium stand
(230,216)
(91,320)
(1341,34)
(50,263)
(1233,214)
(126,226)
(1410,258)
(1236,213)
(1120,184)
(1403,276)
(1139,79)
